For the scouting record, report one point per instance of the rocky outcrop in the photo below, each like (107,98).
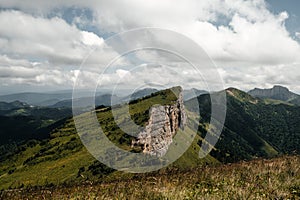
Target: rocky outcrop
(162,126)
(277,93)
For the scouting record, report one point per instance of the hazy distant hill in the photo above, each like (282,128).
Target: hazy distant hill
(22,109)
(105,99)
(276,93)
(38,99)
(15,104)
(82,102)
(192,93)
(64,98)
(44,99)
(139,94)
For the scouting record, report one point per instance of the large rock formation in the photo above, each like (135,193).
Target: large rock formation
(277,93)
(162,126)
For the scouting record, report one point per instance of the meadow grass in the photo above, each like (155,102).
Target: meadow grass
(277,178)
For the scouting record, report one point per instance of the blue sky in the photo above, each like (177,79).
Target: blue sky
(254,43)
(293,8)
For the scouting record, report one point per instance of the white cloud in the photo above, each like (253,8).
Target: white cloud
(55,48)
(48,39)
(253,34)
(240,36)
(51,39)
(283,16)
(122,73)
(20,71)
(91,39)
(264,76)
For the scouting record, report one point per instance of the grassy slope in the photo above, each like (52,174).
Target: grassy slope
(63,159)
(54,161)
(278,178)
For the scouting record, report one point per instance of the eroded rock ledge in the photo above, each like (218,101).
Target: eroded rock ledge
(162,126)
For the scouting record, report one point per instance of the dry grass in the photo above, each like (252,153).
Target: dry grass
(278,178)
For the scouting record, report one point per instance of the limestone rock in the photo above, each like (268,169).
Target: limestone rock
(162,126)
(277,93)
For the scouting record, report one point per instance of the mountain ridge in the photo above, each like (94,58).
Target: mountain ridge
(278,92)
(252,129)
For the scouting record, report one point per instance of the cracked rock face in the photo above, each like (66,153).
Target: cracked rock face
(162,126)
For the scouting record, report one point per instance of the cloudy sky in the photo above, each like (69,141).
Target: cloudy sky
(253,43)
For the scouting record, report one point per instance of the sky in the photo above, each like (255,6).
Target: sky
(253,43)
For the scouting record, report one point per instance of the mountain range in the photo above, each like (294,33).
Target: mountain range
(64,99)
(277,94)
(253,128)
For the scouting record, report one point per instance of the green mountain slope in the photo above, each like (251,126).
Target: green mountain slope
(63,159)
(21,122)
(252,129)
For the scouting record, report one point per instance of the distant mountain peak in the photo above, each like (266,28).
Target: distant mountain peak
(279,88)
(277,93)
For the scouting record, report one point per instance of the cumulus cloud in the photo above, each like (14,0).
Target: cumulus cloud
(19,71)
(51,39)
(253,33)
(46,51)
(241,37)
(264,76)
